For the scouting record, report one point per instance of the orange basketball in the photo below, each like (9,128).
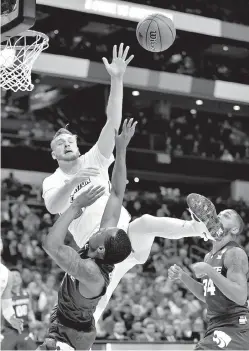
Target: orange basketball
(156,33)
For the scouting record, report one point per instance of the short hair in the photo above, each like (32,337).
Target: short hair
(117,248)
(240,221)
(60,132)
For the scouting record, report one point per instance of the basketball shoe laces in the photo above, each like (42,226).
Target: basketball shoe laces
(203,210)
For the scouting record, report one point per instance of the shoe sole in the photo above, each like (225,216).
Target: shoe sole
(205,211)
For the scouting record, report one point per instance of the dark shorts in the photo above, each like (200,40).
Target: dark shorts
(67,338)
(14,341)
(225,338)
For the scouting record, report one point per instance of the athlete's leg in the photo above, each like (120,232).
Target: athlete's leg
(143,231)
(119,271)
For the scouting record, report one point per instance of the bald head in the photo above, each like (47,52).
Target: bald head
(232,221)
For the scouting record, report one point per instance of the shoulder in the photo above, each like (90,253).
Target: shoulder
(236,256)
(91,269)
(4,269)
(55,180)
(52,177)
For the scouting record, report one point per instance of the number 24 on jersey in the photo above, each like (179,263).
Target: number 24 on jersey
(209,287)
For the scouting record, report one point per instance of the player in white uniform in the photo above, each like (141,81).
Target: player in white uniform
(6,301)
(76,173)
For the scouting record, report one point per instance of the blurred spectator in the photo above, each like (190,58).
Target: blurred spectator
(227,156)
(37,131)
(48,297)
(150,334)
(119,332)
(24,131)
(146,306)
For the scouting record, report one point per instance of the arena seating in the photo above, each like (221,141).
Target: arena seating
(181,133)
(225,10)
(167,312)
(93,37)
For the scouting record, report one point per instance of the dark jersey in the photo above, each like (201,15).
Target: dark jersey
(74,310)
(218,305)
(21,307)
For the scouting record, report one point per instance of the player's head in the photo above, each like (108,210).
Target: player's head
(111,245)
(16,276)
(64,146)
(232,223)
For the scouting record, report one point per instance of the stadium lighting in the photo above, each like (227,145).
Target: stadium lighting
(199,102)
(225,48)
(136,179)
(56,31)
(193,111)
(236,108)
(135,93)
(76,86)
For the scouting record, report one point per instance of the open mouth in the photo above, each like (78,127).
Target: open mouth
(68,151)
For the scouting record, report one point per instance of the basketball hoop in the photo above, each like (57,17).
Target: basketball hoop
(17,56)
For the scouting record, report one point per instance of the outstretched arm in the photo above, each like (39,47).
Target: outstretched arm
(114,108)
(113,207)
(66,257)
(176,272)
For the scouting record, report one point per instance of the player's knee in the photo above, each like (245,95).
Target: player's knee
(144,221)
(140,240)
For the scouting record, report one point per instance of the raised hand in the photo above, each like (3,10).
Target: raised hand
(119,62)
(175,272)
(122,140)
(17,323)
(88,197)
(200,269)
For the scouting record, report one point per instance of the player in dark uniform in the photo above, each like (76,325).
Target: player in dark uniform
(88,270)
(224,283)
(22,305)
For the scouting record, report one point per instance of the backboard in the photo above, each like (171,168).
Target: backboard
(16,17)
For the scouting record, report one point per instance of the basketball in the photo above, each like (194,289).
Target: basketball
(156,33)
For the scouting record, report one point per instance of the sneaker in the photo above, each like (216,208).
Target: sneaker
(204,210)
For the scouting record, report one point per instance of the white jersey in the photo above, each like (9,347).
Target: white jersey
(89,222)
(4,274)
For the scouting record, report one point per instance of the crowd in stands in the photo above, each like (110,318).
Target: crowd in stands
(93,37)
(166,313)
(225,10)
(182,58)
(179,133)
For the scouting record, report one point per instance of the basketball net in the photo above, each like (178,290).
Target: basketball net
(17,56)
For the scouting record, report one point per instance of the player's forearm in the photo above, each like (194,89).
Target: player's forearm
(57,233)
(230,289)
(114,116)
(119,174)
(60,199)
(195,287)
(115,102)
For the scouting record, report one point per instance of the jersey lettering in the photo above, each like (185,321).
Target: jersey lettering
(209,287)
(21,310)
(78,188)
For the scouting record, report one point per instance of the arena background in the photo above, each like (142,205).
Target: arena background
(192,104)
